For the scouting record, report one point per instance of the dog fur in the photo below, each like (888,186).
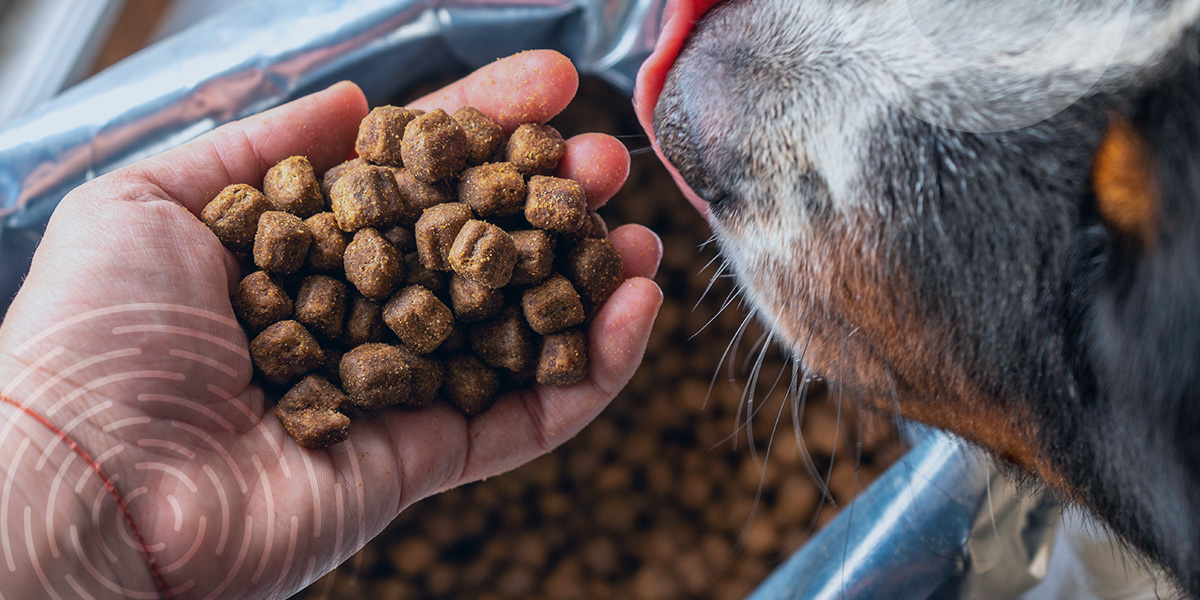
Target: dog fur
(912,196)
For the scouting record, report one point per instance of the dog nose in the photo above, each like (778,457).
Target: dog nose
(695,124)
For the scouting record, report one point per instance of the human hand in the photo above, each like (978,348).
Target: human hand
(123,337)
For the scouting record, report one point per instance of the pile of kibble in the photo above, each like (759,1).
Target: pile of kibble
(445,261)
(661,498)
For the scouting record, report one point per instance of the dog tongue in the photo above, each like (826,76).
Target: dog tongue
(679,17)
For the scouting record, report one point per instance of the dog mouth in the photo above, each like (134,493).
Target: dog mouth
(679,17)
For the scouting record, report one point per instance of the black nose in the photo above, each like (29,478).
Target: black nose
(696,123)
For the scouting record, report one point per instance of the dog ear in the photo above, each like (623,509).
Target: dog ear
(1125,185)
(1138,337)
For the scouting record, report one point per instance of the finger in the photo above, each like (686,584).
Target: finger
(597,161)
(640,249)
(321,126)
(522,426)
(528,87)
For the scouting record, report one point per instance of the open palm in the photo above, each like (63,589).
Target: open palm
(123,337)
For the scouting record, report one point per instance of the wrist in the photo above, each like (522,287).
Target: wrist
(61,526)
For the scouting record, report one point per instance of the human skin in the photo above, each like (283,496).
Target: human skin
(123,336)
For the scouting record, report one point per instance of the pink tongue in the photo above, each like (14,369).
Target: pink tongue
(679,17)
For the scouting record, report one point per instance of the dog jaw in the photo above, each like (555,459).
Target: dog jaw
(923,230)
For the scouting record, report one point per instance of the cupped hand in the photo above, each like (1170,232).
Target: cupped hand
(123,337)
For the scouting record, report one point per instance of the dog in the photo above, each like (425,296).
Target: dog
(980,215)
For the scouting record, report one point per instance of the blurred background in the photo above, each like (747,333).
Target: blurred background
(694,484)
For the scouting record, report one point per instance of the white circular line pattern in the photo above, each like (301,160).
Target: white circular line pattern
(156,395)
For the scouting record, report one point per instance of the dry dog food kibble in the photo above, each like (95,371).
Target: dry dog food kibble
(321,305)
(292,187)
(373,265)
(505,342)
(555,204)
(473,301)
(470,385)
(484,136)
(311,413)
(285,351)
(484,254)
(423,270)
(563,359)
(535,256)
(380,133)
(436,231)
(426,381)
(595,267)
(402,238)
(434,281)
(418,318)
(552,306)
(233,215)
(364,322)
(535,149)
(434,146)
(335,173)
(492,190)
(328,243)
(281,242)
(375,376)
(365,196)
(259,301)
(416,196)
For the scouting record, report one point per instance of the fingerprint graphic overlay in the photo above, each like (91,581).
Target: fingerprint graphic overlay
(160,397)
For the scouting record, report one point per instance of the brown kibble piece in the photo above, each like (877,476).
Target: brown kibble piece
(484,254)
(416,196)
(434,146)
(505,342)
(434,281)
(373,265)
(309,413)
(259,300)
(593,227)
(321,305)
(456,341)
(380,134)
(483,134)
(402,238)
(552,306)
(555,204)
(493,190)
(364,322)
(233,215)
(281,242)
(375,376)
(473,301)
(535,149)
(535,256)
(335,173)
(436,231)
(291,186)
(329,243)
(470,385)
(418,318)
(285,351)
(366,196)
(563,359)
(329,368)
(427,376)
(596,269)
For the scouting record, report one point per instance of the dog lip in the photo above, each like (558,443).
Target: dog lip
(679,16)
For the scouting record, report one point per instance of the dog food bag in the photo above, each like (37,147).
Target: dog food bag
(445,263)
